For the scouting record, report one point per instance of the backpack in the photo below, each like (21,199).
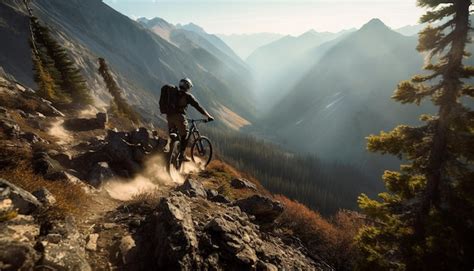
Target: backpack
(169,99)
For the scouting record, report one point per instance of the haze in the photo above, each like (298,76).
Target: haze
(281,16)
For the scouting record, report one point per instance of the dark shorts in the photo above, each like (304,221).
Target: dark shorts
(178,122)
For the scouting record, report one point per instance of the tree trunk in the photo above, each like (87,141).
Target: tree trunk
(451,87)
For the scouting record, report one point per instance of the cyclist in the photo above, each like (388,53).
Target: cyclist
(177,118)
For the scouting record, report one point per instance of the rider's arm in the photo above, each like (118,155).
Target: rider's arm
(194,102)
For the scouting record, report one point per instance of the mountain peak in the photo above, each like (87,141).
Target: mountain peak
(374,24)
(311,31)
(192,27)
(154,22)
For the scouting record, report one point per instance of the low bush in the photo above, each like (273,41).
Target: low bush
(329,239)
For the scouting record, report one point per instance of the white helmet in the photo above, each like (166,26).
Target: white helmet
(186,84)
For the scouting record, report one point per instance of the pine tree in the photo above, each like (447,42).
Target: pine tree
(426,219)
(65,72)
(118,103)
(46,86)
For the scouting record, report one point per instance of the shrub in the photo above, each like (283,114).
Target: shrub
(330,239)
(70,198)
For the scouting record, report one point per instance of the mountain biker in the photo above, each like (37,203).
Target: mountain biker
(177,117)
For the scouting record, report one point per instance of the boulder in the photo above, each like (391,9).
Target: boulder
(214,196)
(17,256)
(128,249)
(47,109)
(241,183)
(17,240)
(193,188)
(4,113)
(64,158)
(211,193)
(48,167)
(101,119)
(99,174)
(7,210)
(82,124)
(45,197)
(220,199)
(92,242)
(21,199)
(31,137)
(3,110)
(120,153)
(140,136)
(67,254)
(175,239)
(9,128)
(263,208)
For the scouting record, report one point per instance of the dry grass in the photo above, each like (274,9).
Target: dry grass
(25,127)
(151,197)
(225,169)
(332,239)
(70,198)
(218,176)
(19,102)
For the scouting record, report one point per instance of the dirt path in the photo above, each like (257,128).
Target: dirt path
(107,223)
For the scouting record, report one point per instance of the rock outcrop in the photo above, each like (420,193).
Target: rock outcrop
(263,208)
(17,242)
(45,197)
(241,183)
(83,124)
(23,201)
(192,233)
(119,154)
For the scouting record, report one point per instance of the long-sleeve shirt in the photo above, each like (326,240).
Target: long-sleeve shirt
(186,99)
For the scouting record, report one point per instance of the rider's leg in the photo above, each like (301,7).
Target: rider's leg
(182,126)
(172,128)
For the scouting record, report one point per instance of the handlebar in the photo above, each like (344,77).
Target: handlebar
(199,120)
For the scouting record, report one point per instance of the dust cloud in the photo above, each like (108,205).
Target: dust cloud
(57,130)
(154,178)
(90,112)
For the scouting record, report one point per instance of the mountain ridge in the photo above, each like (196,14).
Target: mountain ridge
(143,59)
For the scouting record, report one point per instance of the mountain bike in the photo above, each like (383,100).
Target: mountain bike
(201,148)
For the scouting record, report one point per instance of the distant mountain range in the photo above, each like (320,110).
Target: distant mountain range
(142,60)
(345,96)
(245,44)
(278,66)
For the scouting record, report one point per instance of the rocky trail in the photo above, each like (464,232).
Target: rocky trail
(81,191)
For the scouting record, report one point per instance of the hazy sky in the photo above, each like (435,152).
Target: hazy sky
(278,16)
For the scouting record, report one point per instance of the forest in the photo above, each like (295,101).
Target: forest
(323,186)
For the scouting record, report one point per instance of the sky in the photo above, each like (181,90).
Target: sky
(275,16)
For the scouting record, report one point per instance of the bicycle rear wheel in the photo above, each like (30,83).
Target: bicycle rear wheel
(201,152)
(173,158)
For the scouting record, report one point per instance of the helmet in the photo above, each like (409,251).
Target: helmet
(186,84)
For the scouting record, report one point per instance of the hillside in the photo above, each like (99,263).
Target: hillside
(209,51)
(346,96)
(144,60)
(97,196)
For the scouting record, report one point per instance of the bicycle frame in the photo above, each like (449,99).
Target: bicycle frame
(194,137)
(193,133)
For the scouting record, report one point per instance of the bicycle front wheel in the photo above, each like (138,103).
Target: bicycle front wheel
(201,152)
